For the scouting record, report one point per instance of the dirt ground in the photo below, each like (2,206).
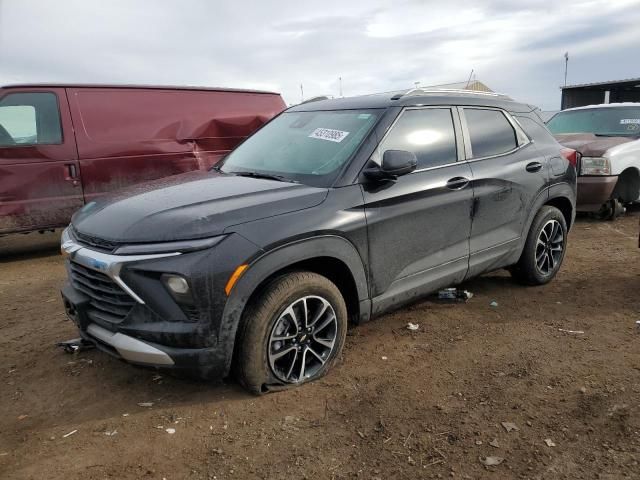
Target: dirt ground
(401,404)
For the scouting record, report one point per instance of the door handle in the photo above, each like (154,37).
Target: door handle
(72,174)
(457,183)
(534,167)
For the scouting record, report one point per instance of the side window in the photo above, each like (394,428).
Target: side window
(29,119)
(428,133)
(536,130)
(490,132)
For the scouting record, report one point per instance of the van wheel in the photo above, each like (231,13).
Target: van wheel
(544,249)
(292,333)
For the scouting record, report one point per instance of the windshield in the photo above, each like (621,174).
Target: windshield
(609,121)
(306,147)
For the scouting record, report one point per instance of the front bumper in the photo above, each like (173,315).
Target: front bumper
(594,191)
(203,362)
(120,304)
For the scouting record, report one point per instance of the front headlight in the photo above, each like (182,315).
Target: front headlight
(595,166)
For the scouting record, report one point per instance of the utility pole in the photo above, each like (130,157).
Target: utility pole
(340,80)
(566,67)
(301,94)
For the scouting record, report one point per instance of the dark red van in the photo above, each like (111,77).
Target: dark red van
(63,145)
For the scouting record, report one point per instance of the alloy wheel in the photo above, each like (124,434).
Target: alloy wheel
(302,339)
(549,247)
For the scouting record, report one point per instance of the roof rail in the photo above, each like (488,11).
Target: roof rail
(422,91)
(315,99)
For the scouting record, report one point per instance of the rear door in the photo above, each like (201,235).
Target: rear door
(419,225)
(508,174)
(39,173)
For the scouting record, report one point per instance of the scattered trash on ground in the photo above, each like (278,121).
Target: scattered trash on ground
(170,431)
(454,294)
(22,417)
(145,404)
(638,325)
(549,442)
(577,332)
(491,461)
(494,443)
(125,414)
(493,304)
(69,434)
(508,426)
(384,358)
(412,326)
(111,434)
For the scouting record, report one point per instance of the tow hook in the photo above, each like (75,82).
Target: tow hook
(75,345)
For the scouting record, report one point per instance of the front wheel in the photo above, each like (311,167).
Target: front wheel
(544,249)
(292,333)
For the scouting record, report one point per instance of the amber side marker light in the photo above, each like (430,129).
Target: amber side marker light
(234,278)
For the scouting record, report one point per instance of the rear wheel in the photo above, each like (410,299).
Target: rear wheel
(544,249)
(292,333)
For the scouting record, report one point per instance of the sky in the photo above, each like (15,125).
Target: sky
(514,46)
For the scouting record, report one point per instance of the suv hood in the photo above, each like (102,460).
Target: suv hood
(188,206)
(590,145)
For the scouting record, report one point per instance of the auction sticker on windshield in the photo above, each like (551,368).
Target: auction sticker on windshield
(329,134)
(627,121)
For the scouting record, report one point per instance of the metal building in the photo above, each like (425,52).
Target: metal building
(615,91)
(475,85)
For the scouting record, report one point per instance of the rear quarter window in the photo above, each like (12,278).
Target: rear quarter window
(490,132)
(535,130)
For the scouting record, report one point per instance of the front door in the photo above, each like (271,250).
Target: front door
(419,225)
(39,172)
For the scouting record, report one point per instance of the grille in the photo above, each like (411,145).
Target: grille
(108,301)
(95,242)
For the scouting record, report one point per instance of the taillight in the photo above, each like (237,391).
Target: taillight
(571,155)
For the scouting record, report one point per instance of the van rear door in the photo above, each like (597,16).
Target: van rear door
(40,184)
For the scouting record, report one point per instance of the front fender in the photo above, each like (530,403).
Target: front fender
(623,156)
(275,260)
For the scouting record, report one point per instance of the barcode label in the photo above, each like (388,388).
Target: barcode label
(329,134)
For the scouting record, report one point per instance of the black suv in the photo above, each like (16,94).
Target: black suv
(335,211)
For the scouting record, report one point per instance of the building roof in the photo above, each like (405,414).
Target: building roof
(635,82)
(475,85)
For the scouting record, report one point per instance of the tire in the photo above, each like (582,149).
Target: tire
(274,323)
(532,268)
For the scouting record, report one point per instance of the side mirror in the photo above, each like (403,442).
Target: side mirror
(395,163)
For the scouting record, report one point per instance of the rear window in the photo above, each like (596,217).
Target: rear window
(29,119)
(490,132)
(607,121)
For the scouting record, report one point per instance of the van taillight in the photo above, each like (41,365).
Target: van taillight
(572,155)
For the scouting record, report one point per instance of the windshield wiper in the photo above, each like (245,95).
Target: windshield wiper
(267,176)
(625,134)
